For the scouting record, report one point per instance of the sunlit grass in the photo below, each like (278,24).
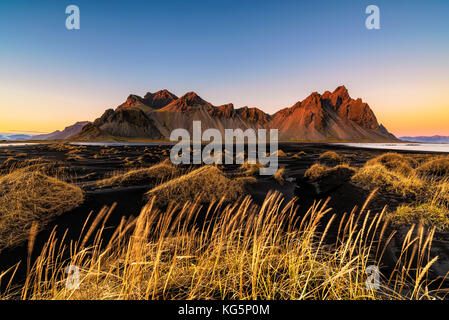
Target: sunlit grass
(211,242)
(30,196)
(238,251)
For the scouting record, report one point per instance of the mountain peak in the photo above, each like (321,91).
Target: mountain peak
(313,99)
(341,89)
(192,98)
(159,99)
(132,101)
(160,94)
(187,102)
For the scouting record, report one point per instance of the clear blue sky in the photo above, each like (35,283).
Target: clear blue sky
(268,54)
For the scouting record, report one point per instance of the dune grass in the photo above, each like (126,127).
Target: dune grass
(151,176)
(208,183)
(318,170)
(299,155)
(28,197)
(421,182)
(404,175)
(395,162)
(235,249)
(251,169)
(434,167)
(280,153)
(378,176)
(427,214)
(331,155)
(244,252)
(279,176)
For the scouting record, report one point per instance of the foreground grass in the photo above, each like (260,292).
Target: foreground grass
(235,251)
(232,248)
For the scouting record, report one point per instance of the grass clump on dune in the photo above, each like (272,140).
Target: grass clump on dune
(427,214)
(154,174)
(280,175)
(394,162)
(28,197)
(378,176)
(206,184)
(251,168)
(434,167)
(317,170)
(280,153)
(331,155)
(299,155)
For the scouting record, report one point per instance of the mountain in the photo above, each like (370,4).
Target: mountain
(11,137)
(159,99)
(122,122)
(64,134)
(330,116)
(428,139)
(151,101)
(158,119)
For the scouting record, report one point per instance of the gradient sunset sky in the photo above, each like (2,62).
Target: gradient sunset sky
(267,54)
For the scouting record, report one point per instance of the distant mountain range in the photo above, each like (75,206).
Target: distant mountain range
(12,137)
(64,134)
(56,135)
(428,139)
(319,117)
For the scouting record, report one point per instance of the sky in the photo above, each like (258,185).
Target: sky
(267,54)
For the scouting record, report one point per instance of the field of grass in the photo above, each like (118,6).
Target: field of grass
(242,252)
(200,236)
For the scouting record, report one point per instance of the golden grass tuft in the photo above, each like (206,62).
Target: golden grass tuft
(394,162)
(207,184)
(299,155)
(280,175)
(317,170)
(251,168)
(280,153)
(331,155)
(434,167)
(31,196)
(427,214)
(155,174)
(378,176)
